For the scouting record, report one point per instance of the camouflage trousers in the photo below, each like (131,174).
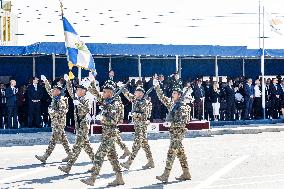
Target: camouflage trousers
(82,142)
(140,140)
(118,140)
(106,148)
(57,136)
(176,148)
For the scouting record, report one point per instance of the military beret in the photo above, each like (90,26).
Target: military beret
(140,88)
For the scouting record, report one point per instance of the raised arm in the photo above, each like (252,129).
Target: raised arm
(165,100)
(128,95)
(93,90)
(48,88)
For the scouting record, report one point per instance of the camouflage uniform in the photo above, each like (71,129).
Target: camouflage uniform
(177,130)
(57,112)
(140,113)
(110,119)
(82,130)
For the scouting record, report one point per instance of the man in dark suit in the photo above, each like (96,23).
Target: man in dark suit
(230,100)
(35,94)
(249,96)
(3,107)
(208,110)
(199,98)
(11,95)
(163,86)
(275,92)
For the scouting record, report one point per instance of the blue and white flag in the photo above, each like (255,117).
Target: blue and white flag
(77,51)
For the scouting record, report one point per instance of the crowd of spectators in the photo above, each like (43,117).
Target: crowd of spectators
(235,99)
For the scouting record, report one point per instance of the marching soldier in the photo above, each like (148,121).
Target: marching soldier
(57,112)
(81,126)
(110,117)
(118,138)
(141,112)
(178,117)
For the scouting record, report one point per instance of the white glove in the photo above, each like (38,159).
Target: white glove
(91,77)
(155,82)
(86,83)
(16,90)
(76,102)
(120,84)
(99,117)
(51,110)
(167,124)
(66,77)
(43,78)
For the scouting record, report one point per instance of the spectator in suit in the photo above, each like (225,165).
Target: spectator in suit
(23,106)
(249,96)
(11,95)
(282,99)
(156,105)
(257,105)
(208,101)
(163,87)
(35,94)
(239,99)
(230,100)
(199,95)
(3,106)
(275,92)
(267,98)
(45,102)
(215,97)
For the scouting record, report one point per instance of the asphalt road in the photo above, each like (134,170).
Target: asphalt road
(252,161)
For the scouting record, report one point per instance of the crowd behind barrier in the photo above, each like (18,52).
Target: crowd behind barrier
(236,99)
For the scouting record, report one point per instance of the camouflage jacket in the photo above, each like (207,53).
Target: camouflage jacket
(141,108)
(57,109)
(83,109)
(179,111)
(111,113)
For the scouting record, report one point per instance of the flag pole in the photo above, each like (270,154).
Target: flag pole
(262,69)
(71,76)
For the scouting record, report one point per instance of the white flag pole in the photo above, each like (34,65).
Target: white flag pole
(262,69)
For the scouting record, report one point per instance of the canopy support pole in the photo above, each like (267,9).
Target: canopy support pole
(53,66)
(79,74)
(216,69)
(177,63)
(179,68)
(262,70)
(109,64)
(139,67)
(34,62)
(244,71)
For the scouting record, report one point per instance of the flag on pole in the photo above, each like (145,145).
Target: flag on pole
(78,53)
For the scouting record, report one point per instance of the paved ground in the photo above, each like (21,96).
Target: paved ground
(227,161)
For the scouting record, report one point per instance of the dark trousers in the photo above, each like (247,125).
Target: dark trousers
(198,109)
(257,107)
(34,114)
(208,111)
(23,115)
(12,113)
(3,114)
(231,109)
(275,107)
(248,108)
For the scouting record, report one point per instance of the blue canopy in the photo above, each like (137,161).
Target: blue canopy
(58,48)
